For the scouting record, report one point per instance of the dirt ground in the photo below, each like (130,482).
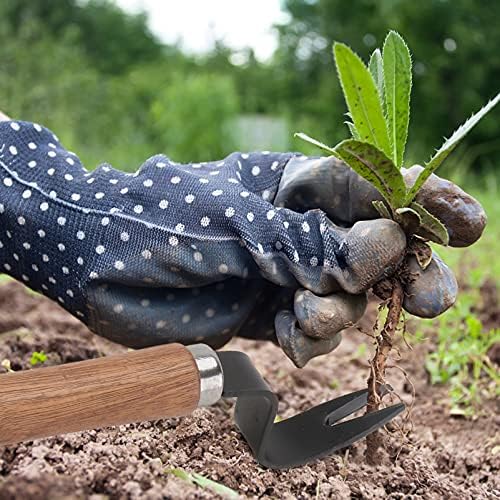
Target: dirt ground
(441,458)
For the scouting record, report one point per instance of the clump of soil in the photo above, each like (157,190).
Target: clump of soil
(442,457)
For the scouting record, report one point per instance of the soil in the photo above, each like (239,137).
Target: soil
(439,457)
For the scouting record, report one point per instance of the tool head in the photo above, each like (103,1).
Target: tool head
(303,438)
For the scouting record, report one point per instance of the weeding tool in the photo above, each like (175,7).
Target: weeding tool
(172,380)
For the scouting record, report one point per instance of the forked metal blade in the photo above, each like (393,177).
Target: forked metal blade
(304,437)
(299,440)
(346,405)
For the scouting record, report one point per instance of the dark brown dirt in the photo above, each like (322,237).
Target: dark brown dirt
(441,458)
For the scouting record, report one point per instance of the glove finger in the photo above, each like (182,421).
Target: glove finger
(369,251)
(324,317)
(298,346)
(330,185)
(346,198)
(431,291)
(462,215)
(314,327)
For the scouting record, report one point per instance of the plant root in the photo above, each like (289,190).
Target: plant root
(378,366)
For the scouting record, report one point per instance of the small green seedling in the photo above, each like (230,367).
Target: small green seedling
(461,359)
(378,99)
(38,358)
(203,482)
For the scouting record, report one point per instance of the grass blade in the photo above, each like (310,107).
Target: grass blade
(449,145)
(220,489)
(203,482)
(397,84)
(374,166)
(362,98)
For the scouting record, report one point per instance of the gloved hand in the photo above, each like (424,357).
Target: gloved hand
(260,245)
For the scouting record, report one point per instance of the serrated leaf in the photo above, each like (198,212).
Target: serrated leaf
(397,85)
(362,98)
(376,67)
(314,142)
(449,145)
(433,227)
(382,209)
(374,166)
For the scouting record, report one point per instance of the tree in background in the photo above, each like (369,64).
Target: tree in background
(99,77)
(454,45)
(191,117)
(112,39)
(95,73)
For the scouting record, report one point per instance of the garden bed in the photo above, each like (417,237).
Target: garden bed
(441,457)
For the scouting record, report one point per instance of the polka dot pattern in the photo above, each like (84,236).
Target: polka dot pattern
(119,250)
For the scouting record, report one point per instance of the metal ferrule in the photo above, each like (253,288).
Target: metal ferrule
(211,374)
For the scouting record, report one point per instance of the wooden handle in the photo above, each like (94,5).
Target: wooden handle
(148,384)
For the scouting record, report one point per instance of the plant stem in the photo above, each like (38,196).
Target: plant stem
(378,364)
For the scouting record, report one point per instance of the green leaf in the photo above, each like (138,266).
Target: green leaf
(180,473)
(374,166)
(352,129)
(314,142)
(407,210)
(38,357)
(397,84)
(362,98)
(218,488)
(203,482)
(449,145)
(376,67)
(382,209)
(434,229)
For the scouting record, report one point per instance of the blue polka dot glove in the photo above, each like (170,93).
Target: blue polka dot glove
(261,245)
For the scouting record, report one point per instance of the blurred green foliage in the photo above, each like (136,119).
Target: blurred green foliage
(456,67)
(113,92)
(112,40)
(461,358)
(204,105)
(465,334)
